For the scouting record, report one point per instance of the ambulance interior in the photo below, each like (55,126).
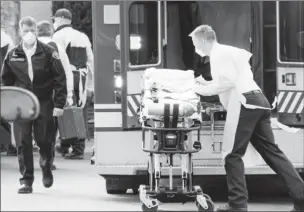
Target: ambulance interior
(234,24)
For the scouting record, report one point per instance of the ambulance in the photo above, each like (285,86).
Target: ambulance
(131,36)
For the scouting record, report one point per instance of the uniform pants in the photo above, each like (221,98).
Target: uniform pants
(254,126)
(44,132)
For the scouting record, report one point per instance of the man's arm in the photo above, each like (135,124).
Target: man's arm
(68,71)
(90,65)
(7,75)
(59,80)
(224,80)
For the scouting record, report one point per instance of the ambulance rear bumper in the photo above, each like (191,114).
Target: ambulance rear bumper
(137,170)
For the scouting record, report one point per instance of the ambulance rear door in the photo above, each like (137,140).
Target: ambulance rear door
(290,62)
(141,47)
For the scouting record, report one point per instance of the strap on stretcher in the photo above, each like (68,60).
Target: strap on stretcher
(167,120)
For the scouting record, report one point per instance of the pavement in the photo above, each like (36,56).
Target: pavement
(77,187)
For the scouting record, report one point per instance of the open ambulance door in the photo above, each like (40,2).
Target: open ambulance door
(290,63)
(141,43)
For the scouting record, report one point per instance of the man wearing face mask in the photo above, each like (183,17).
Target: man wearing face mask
(248,118)
(45,32)
(36,66)
(79,50)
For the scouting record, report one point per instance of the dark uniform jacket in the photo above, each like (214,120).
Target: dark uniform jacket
(49,76)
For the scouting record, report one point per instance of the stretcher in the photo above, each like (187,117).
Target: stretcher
(169,117)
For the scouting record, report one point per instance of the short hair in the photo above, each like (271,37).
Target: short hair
(63,13)
(45,29)
(204,32)
(28,20)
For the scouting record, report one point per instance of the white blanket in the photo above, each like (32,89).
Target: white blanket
(173,86)
(173,80)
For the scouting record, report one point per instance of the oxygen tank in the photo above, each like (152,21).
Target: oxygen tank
(185,109)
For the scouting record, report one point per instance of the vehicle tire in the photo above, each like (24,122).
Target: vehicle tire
(113,188)
(135,191)
(210,206)
(146,209)
(112,191)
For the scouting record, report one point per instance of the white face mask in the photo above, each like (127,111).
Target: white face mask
(29,38)
(200,53)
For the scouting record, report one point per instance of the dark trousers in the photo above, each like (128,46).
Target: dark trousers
(44,133)
(254,126)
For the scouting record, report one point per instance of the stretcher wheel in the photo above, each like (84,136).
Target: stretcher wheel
(207,196)
(135,190)
(146,209)
(210,206)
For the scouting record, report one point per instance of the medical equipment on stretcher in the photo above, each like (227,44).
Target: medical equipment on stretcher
(170,123)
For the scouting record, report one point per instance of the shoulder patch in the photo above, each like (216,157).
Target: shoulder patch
(55,55)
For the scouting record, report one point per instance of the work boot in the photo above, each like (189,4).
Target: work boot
(61,150)
(25,189)
(74,156)
(47,178)
(227,208)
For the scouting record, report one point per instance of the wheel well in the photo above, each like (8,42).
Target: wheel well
(124,182)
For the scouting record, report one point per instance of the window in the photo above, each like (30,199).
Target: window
(291,31)
(143,29)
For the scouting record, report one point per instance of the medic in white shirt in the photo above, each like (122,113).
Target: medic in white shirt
(79,50)
(248,118)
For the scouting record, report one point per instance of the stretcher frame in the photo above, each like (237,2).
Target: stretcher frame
(150,194)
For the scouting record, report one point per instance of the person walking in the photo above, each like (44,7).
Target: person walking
(79,50)
(36,66)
